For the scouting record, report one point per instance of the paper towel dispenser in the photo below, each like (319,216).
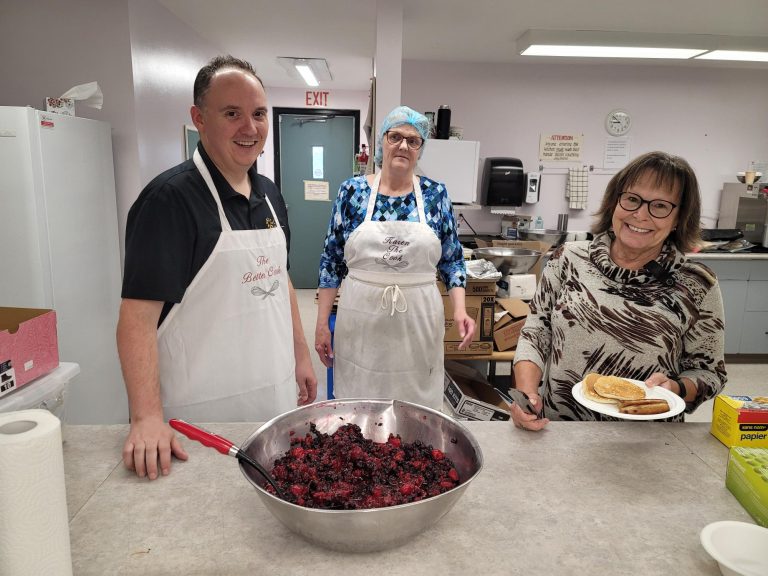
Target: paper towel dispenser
(503,182)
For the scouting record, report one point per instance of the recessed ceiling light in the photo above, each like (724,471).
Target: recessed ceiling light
(306,73)
(312,70)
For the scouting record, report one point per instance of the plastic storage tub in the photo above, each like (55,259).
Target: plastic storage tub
(47,392)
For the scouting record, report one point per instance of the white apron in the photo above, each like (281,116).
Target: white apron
(390,323)
(226,351)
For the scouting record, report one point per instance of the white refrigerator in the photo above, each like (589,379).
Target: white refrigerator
(59,246)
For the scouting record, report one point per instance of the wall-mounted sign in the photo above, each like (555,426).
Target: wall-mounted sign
(616,153)
(313,98)
(316,190)
(560,147)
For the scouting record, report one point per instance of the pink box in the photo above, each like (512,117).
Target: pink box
(29,347)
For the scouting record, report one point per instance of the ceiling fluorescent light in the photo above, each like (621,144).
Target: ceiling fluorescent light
(610,51)
(610,44)
(307,74)
(735,55)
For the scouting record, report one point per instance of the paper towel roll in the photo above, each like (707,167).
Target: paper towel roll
(34,526)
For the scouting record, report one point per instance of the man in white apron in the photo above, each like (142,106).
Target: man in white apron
(232,347)
(388,340)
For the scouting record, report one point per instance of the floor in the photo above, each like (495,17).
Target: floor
(743,378)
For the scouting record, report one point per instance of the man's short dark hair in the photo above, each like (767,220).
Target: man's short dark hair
(207,72)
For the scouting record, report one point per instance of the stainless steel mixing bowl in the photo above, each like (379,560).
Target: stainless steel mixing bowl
(509,260)
(377,528)
(554,237)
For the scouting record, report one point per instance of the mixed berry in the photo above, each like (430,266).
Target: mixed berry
(345,471)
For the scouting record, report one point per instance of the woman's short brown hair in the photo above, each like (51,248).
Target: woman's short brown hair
(665,171)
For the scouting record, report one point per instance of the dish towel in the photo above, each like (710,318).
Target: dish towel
(577,188)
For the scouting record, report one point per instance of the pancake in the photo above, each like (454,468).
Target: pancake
(618,388)
(588,389)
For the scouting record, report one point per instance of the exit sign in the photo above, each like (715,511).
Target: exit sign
(313,98)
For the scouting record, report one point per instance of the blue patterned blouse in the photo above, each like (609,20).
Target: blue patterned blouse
(349,211)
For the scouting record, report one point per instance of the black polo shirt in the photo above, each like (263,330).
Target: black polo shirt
(174,225)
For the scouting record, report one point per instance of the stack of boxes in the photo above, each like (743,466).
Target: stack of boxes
(480,301)
(741,423)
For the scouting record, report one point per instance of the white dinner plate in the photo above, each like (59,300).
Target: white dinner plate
(676,404)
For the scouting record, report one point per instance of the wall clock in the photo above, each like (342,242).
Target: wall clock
(618,122)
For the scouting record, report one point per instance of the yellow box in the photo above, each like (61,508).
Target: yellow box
(741,421)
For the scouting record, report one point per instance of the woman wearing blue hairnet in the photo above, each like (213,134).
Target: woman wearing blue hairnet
(387,236)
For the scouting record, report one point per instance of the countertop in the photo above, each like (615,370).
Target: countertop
(728,255)
(578,498)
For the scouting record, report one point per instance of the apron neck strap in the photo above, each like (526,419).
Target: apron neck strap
(206,174)
(375,192)
(203,169)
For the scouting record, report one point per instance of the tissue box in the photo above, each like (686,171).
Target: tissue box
(741,420)
(64,106)
(28,346)
(747,479)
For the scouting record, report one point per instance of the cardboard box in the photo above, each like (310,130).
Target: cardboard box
(474,287)
(741,420)
(474,348)
(471,395)
(507,329)
(479,308)
(28,346)
(64,106)
(747,479)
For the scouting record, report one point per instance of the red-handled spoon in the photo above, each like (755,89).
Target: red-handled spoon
(226,447)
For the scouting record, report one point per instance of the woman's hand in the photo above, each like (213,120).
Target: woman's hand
(523,419)
(664,381)
(466,326)
(323,345)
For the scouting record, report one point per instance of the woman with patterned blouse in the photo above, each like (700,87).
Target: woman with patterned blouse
(387,236)
(628,303)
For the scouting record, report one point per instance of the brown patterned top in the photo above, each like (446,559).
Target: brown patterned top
(590,315)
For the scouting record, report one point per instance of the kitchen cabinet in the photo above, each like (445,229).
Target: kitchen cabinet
(455,163)
(744,286)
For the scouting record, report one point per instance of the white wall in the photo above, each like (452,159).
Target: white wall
(296,98)
(49,46)
(143,58)
(166,56)
(714,117)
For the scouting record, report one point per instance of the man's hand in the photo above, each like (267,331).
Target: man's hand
(148,441)
(306,379)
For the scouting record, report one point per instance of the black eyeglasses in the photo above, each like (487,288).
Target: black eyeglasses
(656,208)
(413,142)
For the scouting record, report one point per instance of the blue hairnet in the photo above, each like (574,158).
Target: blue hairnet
(399,116)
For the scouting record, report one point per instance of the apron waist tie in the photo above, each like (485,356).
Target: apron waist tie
(394,299)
